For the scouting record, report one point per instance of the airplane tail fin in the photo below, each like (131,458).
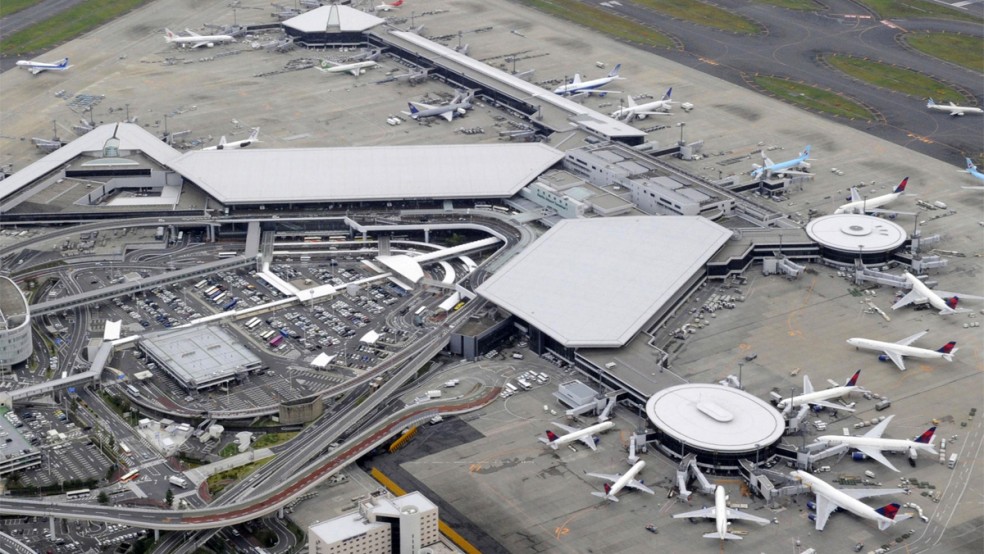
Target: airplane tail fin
(927,436)
(669,92)
(63,63)
(901,187)
(168,35)
(604,495)
(889,510)
(724,536)
(551,436)
(930,103)
(397,4)
(948,348)
(614,71)
(970,165)
(222,141)
(806,151)
(415,111)
(254,135)
(853,381)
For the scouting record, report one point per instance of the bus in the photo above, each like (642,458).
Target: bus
(276,341)
(126,449)
(81,493)
(313,239)
(201,283)
(458,306)
(337,238)
(305,258)
(251,324)
(129,476)
(483,206)
(420,310)
(211,290)
(500,209)
(226,254)
(268,334)
(133,390)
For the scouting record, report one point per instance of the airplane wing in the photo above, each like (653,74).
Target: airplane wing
(449,115)
(896,359)
(191,33)
(855,195)
(706,512)
(888,212)
(909,340)
(596,90)
(737,514)
(35,70)
(913,296)
(588,440)
(830,405)
(825,507)
(859,494)
(876,455)
(878,430)
(606,476)
(354,71)
(947,294)
(791,172)
(654,113)
(200,44)
(564,427)
(637,485)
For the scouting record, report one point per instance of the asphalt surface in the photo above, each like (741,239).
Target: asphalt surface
(790,48)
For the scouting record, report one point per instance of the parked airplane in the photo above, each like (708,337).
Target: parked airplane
(458,106)
(945,302)
(861,205)
(578,87)
(721,514)
(38,67)
(830,498)
(640,111)
(196,40)
(223,145)
(413,77)
(384,7)
(621,481)
(972,169)
(819,398)
(585,435)
(782,168)
(954,109)
(871,444)
(355,68)
(896,350)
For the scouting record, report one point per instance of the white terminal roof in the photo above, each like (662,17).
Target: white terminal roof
(335,18)
(715,417)
(856,233)
(596,282)
(132,138)
(255,175)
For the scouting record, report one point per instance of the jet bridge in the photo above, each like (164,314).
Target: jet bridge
(686,469)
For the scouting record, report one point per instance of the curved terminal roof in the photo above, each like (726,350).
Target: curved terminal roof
(13,306)
(856,233)
(715,417)
(256,175)
(596,282)
(335,18)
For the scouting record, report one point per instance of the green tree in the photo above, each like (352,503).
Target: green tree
(110,471)
(169,498)
(103,498)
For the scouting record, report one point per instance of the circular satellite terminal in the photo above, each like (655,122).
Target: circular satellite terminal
(715,418)
(856,233)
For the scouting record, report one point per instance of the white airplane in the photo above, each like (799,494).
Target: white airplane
(721,514)
(945,302)
(862,205)
(782,168)
(640,111)
(871,444)
(585,435)
(384,7)
(355,68)
(458,106)
(578,87)
(196,40)
(38,67)
(621,481)
(223,145)
(971,169)
(830,498)
(819,398)
(954,109)
(896,350)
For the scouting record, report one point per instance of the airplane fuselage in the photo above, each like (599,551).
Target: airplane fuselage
(585,86)
(350,67)
(956,110)
(861,206)
(807,398)
(931,297)
(625,479)
(721,511)
(885,445)
(648,107)
(586,432)
(849,503)
(903,350)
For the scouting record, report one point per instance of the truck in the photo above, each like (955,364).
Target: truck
(953,461)
(178,481)
(517,356)
(524,384)
(433,394)
(452,383)
(883,405)
(232,304)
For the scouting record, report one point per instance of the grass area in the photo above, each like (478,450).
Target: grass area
(813,98)
(602,21)
(273,439)
(66,25)
(962,50)
(805,5)
(8,7)
(894,78)
(707,15)
(230,449)
(219,481)
(914,9)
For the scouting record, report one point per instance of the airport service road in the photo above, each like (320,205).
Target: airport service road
(790,48)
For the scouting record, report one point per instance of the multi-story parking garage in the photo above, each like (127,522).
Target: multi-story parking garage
(15,325)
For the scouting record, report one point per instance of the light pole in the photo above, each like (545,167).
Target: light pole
(681,125)
(740,365)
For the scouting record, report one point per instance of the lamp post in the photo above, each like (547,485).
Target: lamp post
(681,125)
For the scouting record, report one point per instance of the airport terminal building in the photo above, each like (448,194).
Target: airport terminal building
(16,345)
